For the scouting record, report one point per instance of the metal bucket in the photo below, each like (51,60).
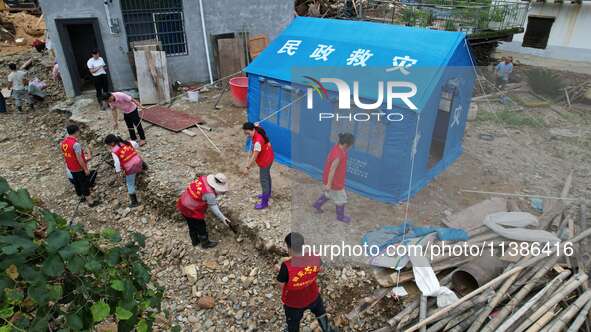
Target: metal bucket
(476,273)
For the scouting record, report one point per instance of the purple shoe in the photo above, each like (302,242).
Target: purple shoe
(264,203)
(319,202)
(341,214)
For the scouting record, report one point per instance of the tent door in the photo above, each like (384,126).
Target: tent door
(440,129)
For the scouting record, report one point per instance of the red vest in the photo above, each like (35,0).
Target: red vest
(67,146)
(301,289)
(338,180)
(191,203)
(130,161)
(266,156)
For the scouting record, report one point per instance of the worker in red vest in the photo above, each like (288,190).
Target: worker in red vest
(126,157)
(77,165)
(202,194)
(333,177)
(262,154)
(298,277)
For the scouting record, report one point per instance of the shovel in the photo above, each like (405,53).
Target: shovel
(220,98)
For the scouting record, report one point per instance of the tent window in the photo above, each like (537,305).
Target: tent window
(285,100)
(270,99)
(369,135)
(294,113)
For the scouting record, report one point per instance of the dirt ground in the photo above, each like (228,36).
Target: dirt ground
(531,152)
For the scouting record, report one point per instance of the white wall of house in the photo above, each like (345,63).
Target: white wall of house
(570,36)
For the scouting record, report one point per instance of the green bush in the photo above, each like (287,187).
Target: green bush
(545,82)
(53,275)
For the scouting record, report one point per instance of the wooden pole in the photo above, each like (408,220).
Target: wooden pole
(441,312)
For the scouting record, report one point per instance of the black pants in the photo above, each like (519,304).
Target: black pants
(81,183)
(294,315)
(197,228)
(133,121)
(101,85)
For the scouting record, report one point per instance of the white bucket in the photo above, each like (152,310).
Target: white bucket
(193,96)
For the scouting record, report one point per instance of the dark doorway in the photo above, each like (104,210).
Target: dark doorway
(441,126)
(537,31)
(79,37)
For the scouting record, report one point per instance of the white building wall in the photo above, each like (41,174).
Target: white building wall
(570,36)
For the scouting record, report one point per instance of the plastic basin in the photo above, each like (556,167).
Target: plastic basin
(239,90)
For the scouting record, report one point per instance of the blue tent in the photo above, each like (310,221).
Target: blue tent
(294,95)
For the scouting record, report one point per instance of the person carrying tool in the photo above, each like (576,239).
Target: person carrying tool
(131,115)
(126,157)
(77,164)
(96,66)
(298,276)
(17,80)
(193,203)
(333,177)
(262,154)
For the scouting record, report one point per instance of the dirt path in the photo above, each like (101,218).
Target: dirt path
(236,274)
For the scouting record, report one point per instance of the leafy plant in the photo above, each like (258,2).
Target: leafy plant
(449,25)
(61,277)
(545,82)
(408,16)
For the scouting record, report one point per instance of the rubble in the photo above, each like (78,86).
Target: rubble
(19,26)
(232,287)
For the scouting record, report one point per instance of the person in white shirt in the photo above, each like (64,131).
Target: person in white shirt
(17,80)
(97,67)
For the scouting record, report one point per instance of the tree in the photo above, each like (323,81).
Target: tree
(60,278)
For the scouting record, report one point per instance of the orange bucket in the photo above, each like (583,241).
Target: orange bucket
(239,90)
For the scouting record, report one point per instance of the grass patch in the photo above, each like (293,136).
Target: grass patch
(510,119)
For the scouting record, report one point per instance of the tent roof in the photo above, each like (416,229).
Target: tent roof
(431,48)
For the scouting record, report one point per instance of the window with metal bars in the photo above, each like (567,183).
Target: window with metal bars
(160,20)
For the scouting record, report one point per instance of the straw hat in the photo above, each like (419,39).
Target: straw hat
(218,182)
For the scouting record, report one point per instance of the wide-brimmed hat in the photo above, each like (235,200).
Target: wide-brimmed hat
(218,182)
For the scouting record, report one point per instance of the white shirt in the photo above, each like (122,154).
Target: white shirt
(116,162)
(17,78)
(96,63)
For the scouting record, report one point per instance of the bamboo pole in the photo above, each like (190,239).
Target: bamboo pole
(508,308)
(462,326)
(527,307)
(459,310)
(568,314)
(441,312)
(423,311)
(493,303)
(581,318)
(575,282)
(461,318)
(540,323)
(409,318)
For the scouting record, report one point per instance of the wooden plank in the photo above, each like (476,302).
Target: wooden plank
(152,76)
(231,57)
(257,44)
